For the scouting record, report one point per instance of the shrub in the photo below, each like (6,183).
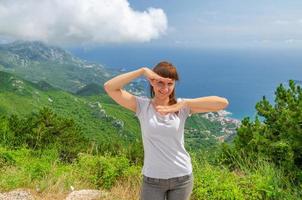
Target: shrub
(102,171)
(277,138)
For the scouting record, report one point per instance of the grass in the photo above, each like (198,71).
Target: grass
(46,177)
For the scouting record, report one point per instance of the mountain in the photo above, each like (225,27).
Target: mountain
(41,75)
(110,126)
(101,118)
(91,89)
(36,61)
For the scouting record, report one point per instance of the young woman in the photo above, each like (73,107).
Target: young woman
(167,170)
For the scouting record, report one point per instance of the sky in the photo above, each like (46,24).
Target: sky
(178,23)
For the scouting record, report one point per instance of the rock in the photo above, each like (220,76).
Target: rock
(18,194)
(86,195)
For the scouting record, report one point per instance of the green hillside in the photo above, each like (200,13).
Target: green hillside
(52,66)
(35,151)
(37,61)
(101,120)
(99,115)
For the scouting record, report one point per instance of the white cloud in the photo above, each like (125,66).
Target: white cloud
(78,21)
(288,22)
(282,22)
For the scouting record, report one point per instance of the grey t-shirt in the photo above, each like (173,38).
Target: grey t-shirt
(163,139)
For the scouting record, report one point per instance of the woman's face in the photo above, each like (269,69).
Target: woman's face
(163,89)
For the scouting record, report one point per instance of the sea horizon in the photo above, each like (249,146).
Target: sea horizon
(241,76)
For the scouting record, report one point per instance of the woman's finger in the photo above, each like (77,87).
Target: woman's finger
(151,80)
(171,108)
(165,109)
(162,78)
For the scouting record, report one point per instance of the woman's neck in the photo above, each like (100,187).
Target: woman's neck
(160,102)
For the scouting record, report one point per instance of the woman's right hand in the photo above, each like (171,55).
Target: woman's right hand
(152,76)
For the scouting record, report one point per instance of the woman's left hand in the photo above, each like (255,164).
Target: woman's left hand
(163,110)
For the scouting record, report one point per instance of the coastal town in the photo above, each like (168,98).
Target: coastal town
(227,124)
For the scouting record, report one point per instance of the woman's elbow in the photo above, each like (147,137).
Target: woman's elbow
(224,103)
(109,87)
(106,87)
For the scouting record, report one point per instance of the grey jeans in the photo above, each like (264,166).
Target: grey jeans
(178,188)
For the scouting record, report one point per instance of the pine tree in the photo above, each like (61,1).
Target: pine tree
(278,135)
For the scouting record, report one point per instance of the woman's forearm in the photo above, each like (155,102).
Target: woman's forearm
(120,81)
(209,103)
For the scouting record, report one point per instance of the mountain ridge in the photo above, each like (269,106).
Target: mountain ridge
(35,61)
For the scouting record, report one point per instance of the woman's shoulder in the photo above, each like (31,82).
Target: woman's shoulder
(142,99)
(178,99)
(142,102)
(186,109)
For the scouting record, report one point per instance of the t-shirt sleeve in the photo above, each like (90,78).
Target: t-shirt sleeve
(185,111)
(140,104)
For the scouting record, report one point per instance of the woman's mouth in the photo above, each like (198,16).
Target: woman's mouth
(162,93)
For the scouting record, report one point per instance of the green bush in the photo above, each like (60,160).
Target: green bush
(43,130)
(255,179)
(277,138)
(102,171)
(6,159)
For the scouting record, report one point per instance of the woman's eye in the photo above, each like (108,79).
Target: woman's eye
(160,83)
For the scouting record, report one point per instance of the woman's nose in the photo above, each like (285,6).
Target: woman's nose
(165,89)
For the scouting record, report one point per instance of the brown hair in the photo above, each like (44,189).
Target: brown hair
(167,70)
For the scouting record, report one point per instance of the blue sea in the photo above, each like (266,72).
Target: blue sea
(241,76)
